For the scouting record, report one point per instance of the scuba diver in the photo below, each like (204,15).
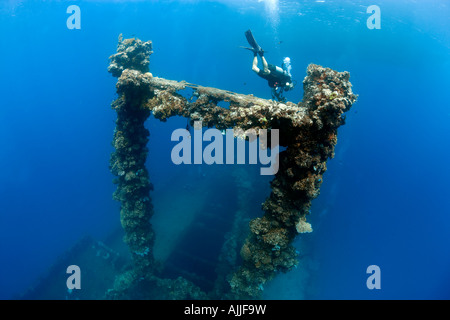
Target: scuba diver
(279,79)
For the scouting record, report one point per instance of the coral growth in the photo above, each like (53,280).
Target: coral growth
(308,130)
(298,180)
(302,226)
(130,143)
(132,54)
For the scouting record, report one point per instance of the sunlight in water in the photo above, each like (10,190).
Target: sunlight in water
(272,12)
(272,9)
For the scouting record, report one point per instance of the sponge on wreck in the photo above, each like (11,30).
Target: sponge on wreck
(302,226)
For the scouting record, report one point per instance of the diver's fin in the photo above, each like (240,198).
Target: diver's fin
(251,49)
(252,42)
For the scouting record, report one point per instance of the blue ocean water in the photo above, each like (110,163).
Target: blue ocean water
(385,198)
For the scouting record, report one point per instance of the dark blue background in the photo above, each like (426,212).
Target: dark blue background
(385,198)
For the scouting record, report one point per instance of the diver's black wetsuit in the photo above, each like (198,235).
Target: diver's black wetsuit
(274,78)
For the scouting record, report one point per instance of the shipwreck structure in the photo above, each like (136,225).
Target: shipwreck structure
(308,131)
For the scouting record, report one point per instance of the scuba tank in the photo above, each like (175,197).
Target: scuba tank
(287,65)
(287,70)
